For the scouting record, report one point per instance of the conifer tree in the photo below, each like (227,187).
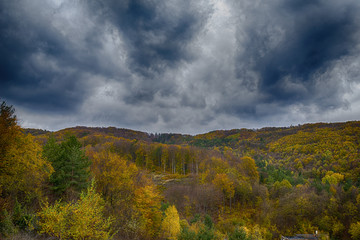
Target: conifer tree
(71,166)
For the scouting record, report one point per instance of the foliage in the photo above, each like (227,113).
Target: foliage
(147,203)
(239,234)
(114,175)
(355,230)
(22,169)
(81,220)
(71,166)
(224,184)
(8,130)
(7,227)
(187,234)
(205,234)
(170,226)
(208,222)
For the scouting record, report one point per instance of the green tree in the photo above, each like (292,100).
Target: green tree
(51,150)
(71,166)
(187,234)
(205,234)
(208,222)
(239,234)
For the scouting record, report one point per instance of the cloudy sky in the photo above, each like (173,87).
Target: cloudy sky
(187,66)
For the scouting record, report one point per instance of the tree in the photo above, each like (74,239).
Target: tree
(239,234)
(22,168)
(248,167)
(8,131)
(281,188)
(23,173)
(355,230)
(223,183)
(51,150)
(82,220)
(187,234)
(114,176)
(164,158)
(208,222)
(147,203)
(71,166)
(25,170)
(332,178)
(170,225)
(205,234)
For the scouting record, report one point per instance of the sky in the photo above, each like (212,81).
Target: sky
(184,66)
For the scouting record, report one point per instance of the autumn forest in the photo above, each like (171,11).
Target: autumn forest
(111,183)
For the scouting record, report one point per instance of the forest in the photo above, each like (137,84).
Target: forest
(112,183)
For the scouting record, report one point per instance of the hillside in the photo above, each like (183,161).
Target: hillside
(310,149)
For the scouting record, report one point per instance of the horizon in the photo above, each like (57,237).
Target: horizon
(214,130)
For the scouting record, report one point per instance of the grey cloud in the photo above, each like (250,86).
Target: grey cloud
(312,34)
(157,32)
(184,66)
(39,64)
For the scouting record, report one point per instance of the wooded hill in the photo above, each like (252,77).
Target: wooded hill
(233,184)
(311,149)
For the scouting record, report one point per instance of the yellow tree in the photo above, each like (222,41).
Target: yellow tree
(87,220)
(332,178)
(22,168)
(114,176)
(355,230)
(53,219)
(170,226)
(81,220)
(223,183)
(116,179)
(248,167)
(147,202)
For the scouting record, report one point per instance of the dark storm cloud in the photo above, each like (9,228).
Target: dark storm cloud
(290,42)
(19,40)
(157,35)
(156,32)
(39,64)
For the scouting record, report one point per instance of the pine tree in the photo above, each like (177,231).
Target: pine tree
(71,166)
